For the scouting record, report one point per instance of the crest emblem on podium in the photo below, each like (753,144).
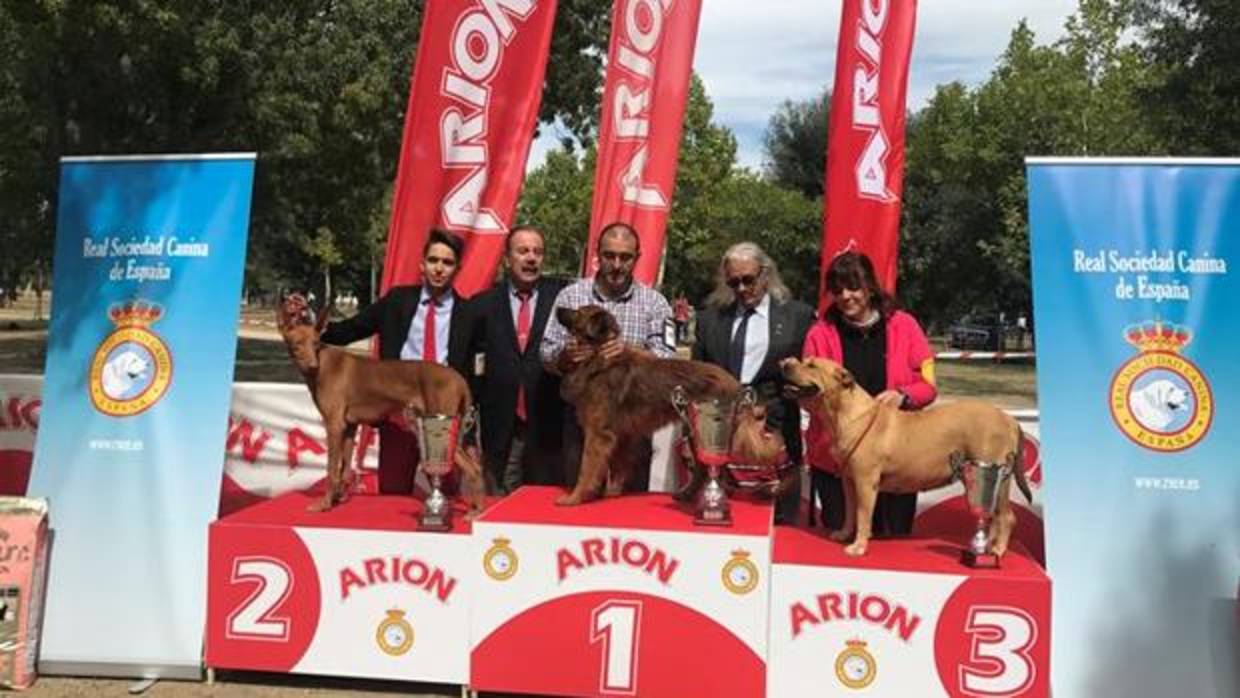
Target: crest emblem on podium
(394,634)
(500,561)
(855,667)
(132,367)
(740,575)
(1159,399)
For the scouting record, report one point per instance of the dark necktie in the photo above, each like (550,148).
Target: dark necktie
(736,350)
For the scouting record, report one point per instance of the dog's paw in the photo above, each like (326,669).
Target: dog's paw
(855,550)
(319,506)
(568,500)
(614,488)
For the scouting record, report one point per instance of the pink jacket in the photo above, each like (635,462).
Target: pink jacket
(910,369)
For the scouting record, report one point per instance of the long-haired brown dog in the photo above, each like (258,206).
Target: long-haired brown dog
(628,397)
(350,390)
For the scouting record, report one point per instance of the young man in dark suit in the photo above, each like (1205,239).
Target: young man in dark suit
(750,323)
(522,411)
(421,323)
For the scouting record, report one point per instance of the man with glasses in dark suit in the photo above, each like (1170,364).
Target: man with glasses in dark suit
(748,325)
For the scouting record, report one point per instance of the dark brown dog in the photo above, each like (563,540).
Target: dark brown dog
(350,390)
(627,397)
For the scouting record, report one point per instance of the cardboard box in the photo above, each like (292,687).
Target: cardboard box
(23,573)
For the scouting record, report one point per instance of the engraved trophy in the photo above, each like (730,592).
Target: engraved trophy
(983,485)
(439,436)
(710,425)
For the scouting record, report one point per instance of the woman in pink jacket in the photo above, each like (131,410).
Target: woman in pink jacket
(888,355)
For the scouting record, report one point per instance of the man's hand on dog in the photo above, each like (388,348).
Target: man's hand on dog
(611,349)
(577,352)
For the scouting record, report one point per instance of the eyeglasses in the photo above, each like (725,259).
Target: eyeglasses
(620,257)
(747,280)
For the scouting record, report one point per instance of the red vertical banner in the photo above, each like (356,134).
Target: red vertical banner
(648,69)
(865,148)
(473,106)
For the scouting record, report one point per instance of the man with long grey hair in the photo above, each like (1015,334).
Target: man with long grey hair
(749,324)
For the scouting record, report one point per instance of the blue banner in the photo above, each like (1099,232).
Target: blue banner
(1134,286)
(130,450)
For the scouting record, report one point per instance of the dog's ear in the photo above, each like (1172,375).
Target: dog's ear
(598,326)
(566,317)
(602,327)
(845,378)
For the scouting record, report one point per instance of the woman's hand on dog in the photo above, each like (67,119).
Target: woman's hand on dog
(894,398)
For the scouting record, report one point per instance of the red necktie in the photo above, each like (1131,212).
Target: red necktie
(428,332)
(523,338)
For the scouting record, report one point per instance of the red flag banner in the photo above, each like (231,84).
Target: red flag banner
(473,106)
(865,149)
(648,67)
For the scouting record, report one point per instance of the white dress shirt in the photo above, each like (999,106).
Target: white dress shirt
(412,349)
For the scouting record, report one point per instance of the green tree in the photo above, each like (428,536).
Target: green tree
(1192,44)
(317,89)
(557,198)
(795,142)
(965,241)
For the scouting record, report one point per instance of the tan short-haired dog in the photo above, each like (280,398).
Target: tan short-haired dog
(350,390)
(881,448)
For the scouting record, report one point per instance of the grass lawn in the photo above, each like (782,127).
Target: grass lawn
(1008,384)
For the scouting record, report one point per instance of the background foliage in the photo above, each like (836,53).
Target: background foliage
(319,91)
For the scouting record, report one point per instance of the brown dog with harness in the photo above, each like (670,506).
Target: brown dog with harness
(881,448)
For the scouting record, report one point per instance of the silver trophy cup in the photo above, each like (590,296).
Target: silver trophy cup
(439,437)
(710,425)
(983,486)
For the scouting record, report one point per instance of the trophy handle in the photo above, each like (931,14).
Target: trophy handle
(680,403)
(748,397)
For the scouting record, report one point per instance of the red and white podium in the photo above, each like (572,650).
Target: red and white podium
(357,591)
(621,596)
(905,620)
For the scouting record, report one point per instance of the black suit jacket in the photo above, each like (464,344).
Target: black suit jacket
(391,316)
(506,367)
(789,323)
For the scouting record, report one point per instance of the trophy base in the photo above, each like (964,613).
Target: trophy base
(712,518)
(976,560)
(435,522)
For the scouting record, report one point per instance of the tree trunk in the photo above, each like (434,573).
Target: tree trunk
(327,287)
(38,291)
(374,287)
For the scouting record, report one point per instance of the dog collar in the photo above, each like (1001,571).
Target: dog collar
(864,433)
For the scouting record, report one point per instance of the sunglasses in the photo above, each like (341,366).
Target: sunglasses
(747,280)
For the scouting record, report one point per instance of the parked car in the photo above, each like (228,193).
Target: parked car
(984,332)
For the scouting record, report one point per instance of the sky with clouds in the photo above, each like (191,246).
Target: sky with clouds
(754,55)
